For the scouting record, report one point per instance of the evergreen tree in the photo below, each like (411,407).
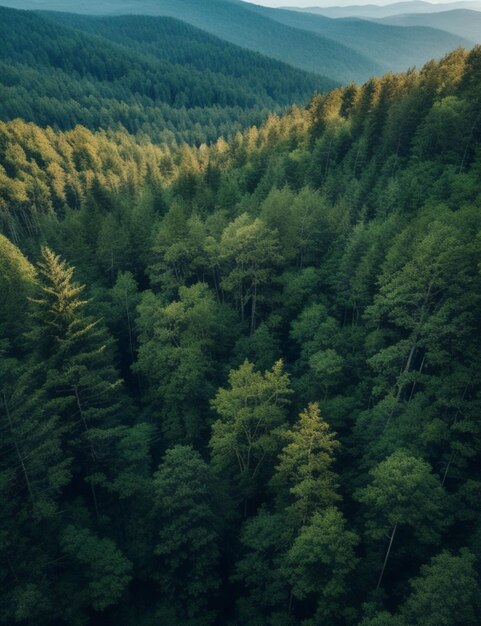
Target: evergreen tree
(80,382)
(304,477)
(187,518)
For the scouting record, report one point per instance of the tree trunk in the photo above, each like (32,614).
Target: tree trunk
(387,557)
(253,310)
(17,449)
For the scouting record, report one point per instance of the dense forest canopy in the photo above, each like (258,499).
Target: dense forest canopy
(184,85)
(240,383)
(342,50)
(394,48)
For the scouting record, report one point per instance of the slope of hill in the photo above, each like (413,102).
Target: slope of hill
(395,47)
(184,83)
(241,384)
(344,51)
(459,22)
(386,10)
(235,22)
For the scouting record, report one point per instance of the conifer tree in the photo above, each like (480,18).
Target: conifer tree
(188,521)
(80,382)
(304,476)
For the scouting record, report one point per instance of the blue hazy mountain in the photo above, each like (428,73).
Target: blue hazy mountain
(461,22)
(387,10)
(395,47)
(343,51)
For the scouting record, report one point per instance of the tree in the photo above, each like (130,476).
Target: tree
(403,493)
(180,344)
(265,539)
(33,461)
(189,523)
(321,365)
(180,250)
(383,619)
(122,313)
(304,475)
(446,593)
(411,291)
(34,472)
(102,573)
(17,278)
(80,382)
(247,437)
(251,252)
(321,559)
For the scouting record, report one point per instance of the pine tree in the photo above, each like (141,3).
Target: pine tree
(80,381)
(304,476)
(187,516)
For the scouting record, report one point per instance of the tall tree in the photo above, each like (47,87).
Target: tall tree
(247,437)
(188,518)
(403,494)
(180,346)
(80,380)
(304,477)
(251,252)
(320,561)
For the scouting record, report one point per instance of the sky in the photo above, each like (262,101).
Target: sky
(326,3)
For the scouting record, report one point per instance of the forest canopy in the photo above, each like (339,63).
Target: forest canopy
(240,383)
(153,77)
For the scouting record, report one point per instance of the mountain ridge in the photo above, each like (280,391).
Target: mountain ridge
(396,47)
(52,73)
(462,22)
(386,10)
(344,53)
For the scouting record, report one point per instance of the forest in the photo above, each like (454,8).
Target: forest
(153,77)
(342,50)
(240,381)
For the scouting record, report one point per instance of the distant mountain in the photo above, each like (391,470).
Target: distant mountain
(237,23)
(397,8)
(395,47)
(460,22)
(156,76)
(233,21)
(343,51)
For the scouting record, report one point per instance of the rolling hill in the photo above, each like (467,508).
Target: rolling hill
(387,10)
(156,76)
(396,48)
(461,22)
(234,22)
(342,50)
(336,60)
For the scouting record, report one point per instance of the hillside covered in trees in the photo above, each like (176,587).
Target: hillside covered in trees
(342,50)
(155,77)
(240,384)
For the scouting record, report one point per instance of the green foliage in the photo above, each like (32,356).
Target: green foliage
(404,491)
(178,356)
(103,572)
(446,593)
(252,420)
(17,278)
(320,560)
(187,517)
(304,468)
(251,251)
(329,259)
